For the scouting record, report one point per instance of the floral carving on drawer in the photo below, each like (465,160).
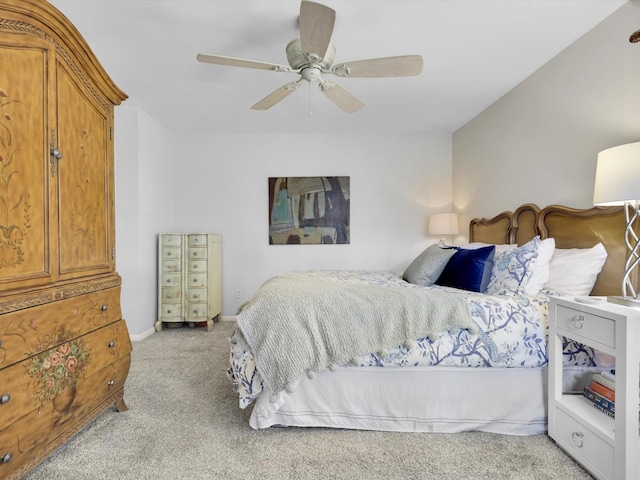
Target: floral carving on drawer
(59,367)
(14,207)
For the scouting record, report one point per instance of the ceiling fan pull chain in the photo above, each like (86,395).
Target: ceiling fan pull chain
(309,98)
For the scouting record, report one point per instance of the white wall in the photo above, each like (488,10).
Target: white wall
(539,143)
(220,185)
(144,206)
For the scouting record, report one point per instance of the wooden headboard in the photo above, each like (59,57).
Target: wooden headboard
(570,227)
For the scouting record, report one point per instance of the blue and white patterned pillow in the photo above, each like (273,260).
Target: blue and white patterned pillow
(512,270)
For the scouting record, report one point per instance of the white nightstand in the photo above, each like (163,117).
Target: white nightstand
(608,448)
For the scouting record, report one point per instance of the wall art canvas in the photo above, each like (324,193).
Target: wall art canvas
(309,210)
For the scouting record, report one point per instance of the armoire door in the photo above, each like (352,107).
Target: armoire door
(25,227)
(83,175)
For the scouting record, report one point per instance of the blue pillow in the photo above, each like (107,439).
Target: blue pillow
(468,269)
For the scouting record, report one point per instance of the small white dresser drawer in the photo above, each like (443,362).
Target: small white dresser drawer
(196,266)
(170,310)
(171,294)
(584,445)
(196,253)
(171,280)
(171,240)
(171,252)
(197,280)
(197,310)
(198,239)
(586,325)
(197,294)
(171,266)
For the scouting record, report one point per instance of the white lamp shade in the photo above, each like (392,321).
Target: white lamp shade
(618,175)
(443,224)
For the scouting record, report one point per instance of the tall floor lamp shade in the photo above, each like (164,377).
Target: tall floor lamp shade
(618,183)
(443,224)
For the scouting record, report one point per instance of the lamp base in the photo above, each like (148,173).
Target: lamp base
(626,301)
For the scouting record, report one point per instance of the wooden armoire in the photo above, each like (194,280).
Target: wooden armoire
(64,347)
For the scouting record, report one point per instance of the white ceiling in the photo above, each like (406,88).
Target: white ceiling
(474,52)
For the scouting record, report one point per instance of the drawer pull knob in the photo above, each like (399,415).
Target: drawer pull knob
(195,265)
(112,344)
(0,343)
(104,308)
(111,383)
(577,321)
(168,311)
(6,398)
(7,458)
(578,439)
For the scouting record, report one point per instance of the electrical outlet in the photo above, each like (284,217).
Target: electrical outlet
(238,293)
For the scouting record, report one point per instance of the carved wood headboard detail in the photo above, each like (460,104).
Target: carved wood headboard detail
(570,227)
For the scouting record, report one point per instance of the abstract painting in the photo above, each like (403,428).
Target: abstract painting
(309,210)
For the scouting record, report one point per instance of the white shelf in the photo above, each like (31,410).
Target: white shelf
(608,447)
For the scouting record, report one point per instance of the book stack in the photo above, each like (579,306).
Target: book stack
(602,391)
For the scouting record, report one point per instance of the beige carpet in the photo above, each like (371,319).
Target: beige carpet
(184,423)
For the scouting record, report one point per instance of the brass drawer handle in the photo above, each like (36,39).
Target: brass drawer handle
(578,439)
(577,321)
(111,383)
(6,398)
(104,308)
(112,344)
(7,458)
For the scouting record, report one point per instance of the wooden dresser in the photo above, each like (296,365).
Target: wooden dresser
(64,347)
(189,278)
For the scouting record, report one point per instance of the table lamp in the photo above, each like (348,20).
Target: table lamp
(618,183)
(443,224)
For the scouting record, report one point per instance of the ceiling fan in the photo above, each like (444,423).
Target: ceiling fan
(311,56)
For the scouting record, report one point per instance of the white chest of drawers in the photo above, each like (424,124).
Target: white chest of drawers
(189,278)
(609,448)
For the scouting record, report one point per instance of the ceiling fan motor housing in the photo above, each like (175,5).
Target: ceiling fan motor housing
(298,60)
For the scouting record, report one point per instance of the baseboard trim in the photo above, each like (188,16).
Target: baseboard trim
(143,335)
(228,318)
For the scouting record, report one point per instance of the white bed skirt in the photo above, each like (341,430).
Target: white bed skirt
(507,401)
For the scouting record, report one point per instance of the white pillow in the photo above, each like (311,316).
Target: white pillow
(574,271)
(500,248)
(540,267)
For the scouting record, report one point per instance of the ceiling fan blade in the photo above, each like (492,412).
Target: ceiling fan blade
(401,66)
(277,96)
(316,26)
(342,97)
(240,62)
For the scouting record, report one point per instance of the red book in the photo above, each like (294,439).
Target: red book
(604,391)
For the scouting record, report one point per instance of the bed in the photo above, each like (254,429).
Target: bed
(482,370)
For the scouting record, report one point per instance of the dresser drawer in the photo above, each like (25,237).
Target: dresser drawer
(22,440)
(197,280)
(171,240)
(196,266)
(197,253)
(586,325)
(197,310)
(36,381)
(197,294)
(171,266)
(170,311)
(171,252)
(171,295)
(171,280)
(21,332)
(583,444)
(197,239)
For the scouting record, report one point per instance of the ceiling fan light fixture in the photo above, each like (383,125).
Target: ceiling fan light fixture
(297,59)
